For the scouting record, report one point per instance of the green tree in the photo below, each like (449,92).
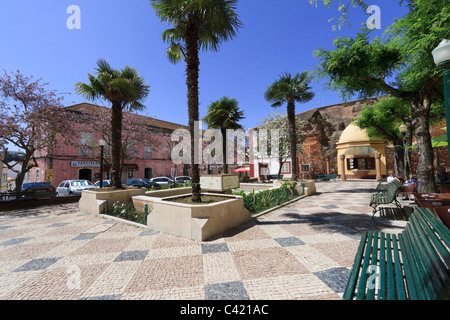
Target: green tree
(197,25)
(290,89)
(224,114)
(125,89)
(382,121)
(399,65)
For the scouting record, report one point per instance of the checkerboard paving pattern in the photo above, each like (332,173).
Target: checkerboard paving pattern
(302,251)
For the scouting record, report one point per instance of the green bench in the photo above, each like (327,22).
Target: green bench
(325,177)
(386,196)
(412,265)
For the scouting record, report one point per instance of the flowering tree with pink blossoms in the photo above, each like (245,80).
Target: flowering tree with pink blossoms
(30,118)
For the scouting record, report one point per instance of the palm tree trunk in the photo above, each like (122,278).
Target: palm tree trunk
(192,72)
(292,137)
(116,144)
(224,149)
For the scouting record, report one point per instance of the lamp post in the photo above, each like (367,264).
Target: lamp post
(102,144)
(441,56)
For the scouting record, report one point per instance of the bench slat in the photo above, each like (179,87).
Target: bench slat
(401,294)
(382,276)
(435,250)
(412,291)
(418,269)
(373,269)
(390,268)
(353,278)
(363,277)
(429,259)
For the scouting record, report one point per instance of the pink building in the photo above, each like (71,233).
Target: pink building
(147,157)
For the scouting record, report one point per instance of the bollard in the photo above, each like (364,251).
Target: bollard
(145,213)
(278,196)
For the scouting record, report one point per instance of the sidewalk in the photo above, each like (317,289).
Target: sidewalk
(302,251)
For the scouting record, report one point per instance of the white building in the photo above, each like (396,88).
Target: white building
(263,166)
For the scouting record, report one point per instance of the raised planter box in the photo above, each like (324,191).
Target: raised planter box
(219,182)
(195,222)
(94,202)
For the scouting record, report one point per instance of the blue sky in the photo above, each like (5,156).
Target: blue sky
(278,36)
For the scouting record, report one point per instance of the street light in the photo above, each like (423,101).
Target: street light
(441,56)
(102,144)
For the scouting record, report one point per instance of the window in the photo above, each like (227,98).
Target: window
(148,152)
(361,163)
(37,177)
(304,168)
(286,167)
(131,173)
(85,141)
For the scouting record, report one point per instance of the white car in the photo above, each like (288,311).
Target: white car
(73,187)
(182,179)
(162,181)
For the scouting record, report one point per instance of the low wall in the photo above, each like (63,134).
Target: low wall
(195,222)
(94,202)
(309,186)
(9,205)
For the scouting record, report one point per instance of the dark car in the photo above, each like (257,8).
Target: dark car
(142,183)
(35,190)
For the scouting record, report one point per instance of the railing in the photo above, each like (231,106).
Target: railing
(7,196)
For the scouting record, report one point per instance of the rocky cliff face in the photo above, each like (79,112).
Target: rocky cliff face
(323,128)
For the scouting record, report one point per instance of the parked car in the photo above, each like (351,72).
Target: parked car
(73,187)
(182,179)
(162,181)
(38,190)
(142,183)
(106,183)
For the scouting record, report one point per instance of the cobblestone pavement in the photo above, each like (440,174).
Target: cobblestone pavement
(301,251)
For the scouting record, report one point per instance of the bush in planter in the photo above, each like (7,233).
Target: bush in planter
(125,211)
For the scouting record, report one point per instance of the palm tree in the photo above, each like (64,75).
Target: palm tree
(197,25)
(290,89)
(125,89)
(224,114)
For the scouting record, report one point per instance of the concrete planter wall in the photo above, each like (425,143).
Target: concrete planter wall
(309,186)
(94,202)
(195,222)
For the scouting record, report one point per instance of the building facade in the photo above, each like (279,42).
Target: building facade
(146,158)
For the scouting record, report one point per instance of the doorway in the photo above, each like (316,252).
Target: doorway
(85,174)
(148,173)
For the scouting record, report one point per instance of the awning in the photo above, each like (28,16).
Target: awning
(130,166)
(359,151)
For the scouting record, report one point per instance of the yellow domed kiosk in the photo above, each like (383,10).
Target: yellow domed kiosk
(359,156)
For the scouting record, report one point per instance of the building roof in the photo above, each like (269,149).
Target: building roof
(353,133)
(147,120)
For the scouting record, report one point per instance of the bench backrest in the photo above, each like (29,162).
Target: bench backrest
(393,189)
(425,244)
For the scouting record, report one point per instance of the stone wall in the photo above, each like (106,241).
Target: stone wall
(323,128)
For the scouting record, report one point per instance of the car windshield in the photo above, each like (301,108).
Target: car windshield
(80,183)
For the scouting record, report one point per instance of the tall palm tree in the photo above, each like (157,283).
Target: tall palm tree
(224,114)
(197,25)
(125,89)
(290,89)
